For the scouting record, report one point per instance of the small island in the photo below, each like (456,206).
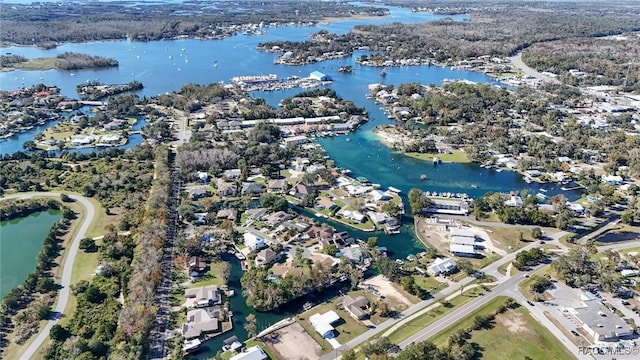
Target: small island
(64,61)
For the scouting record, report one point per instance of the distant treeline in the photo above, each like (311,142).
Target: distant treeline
(8,60)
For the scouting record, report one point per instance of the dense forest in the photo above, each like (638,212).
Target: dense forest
(49,24)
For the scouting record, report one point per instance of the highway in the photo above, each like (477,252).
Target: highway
(67,267)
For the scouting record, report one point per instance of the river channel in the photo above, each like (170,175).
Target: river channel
(164,66)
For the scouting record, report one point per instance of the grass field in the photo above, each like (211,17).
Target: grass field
(413,326)
(514,335)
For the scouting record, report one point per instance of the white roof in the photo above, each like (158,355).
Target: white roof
(252,353)
(462,232)
(322,322)
(462,240)
(441,265)
(463,249)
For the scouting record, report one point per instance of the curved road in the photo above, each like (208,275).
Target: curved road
(65,281)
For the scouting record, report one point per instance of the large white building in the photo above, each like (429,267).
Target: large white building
(598,321)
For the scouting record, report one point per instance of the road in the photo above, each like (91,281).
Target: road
(67,267)
(517,62)
(419,308)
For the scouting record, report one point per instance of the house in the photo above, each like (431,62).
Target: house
(266,257)
(202,296)
(514,201)
(282,270)
(197,264)
(462,232)
(352,253)
(612,179)
(300,191)
(199,192)
(295,140)
(253,242)
(251,189)
(318,232)
(276,218)
(226,189)
(354,215)
(251,353)
(227,214)
(278,186)
(232,174)
(326,203)
(203,176)
(110,139)
(199,322)
(114,125)
(356,307)
(256,214)
(448,206)
(442,266)
(598,321)
(323,323)
(81,141)
(378,195)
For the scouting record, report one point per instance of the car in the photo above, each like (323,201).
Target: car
(625,302)
(530,303)
(575,333)
(526,275)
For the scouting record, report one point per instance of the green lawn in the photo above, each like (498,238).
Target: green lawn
(507,238)
(347,328)
(429,283)
(212,277)
(514,335)
(414,325)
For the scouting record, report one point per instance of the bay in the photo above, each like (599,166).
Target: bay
(164,66)
(20,242)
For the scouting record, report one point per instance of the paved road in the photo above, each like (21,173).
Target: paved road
(419,308)
(517,62)
(65,281)
(620,245)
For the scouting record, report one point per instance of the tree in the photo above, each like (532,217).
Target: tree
(391,208)
(58,333)
(418,201)
(372,242)
(88,245)
(250,325)
(536,233)
(465,266)
(349,354)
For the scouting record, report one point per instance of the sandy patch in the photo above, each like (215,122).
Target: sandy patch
(513,322)
(386,289)
(487,243)
(292,342)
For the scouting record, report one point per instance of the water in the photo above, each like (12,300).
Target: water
(161,67)
(20,242)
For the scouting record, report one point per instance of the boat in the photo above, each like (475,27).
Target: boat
(191,346)
(393,189)
(423,177)
(348,139)
(498,170)
(239,256)
(474,186)
(383,73)
(436,160)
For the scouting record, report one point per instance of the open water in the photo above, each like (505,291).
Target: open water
(20,242)
(164,66)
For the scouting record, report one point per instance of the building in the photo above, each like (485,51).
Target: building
(278,186)
(251,353)
(323,323)
(199,193)
(598,321)
(251,188)
(202,296)
(317,75)
(232,174)
(448,206)
(463,250)
(253,242)
(300,191)
(295,140)
(357,307)
(266,257)
(442,266)
(199,322)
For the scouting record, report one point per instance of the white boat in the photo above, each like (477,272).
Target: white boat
(395,190)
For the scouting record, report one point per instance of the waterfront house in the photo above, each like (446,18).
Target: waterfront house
(202,296)
(357,307)
(612,179)
(281,271)
(266,257)
(352,253)
(114,125)
(251,189)
(276,218)
(110,139)
(319,232)
(295,140)
(442,266)
(326,203)
(317,75)
(354,216)
(323,323)
(256,214)
(253,242)
(251,353)
(199,322)
(448,206)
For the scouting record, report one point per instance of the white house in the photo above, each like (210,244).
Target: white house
(323,323)
(252,241)
(251,353)
(442,266)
